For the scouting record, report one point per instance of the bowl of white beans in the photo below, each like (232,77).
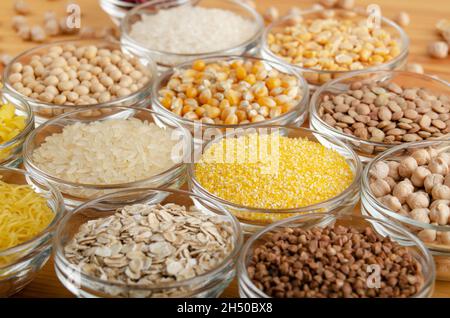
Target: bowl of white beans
(63,76)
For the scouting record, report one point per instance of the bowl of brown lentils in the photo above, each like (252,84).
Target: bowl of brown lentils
(63,76)
(410,184)
(328,43)
(375,111)
(231,91)
(335,255)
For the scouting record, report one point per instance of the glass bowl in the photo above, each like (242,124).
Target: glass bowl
(116,9)
(295,117)
(44,111)
(77,193)
(209,284)
(166,60)
(247,288)
(253,219)
(316,77)
(20,264)
(11,151)
(366,149)
(371,206)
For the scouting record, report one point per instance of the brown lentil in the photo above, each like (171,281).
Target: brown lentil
(386,112)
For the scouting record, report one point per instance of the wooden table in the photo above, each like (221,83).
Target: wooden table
(424,15)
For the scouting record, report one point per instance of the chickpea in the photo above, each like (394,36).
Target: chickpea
(438,165)
(427,235)
(402,190)
(438,49)
(420,214)
(440,192)
(440,213)
(391,202)
(380,188)
(418,200)
(432,180)
(407,167)
(447,180)
(419,175)
(421,156)
(380,170)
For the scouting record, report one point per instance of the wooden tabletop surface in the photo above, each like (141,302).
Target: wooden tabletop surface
(424,15)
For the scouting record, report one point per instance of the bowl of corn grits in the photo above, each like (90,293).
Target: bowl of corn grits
(27,222)
(273,172)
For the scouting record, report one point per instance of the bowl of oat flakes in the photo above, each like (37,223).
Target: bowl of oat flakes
(149,243)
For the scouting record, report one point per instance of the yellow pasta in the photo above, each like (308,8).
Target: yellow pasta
(23,214)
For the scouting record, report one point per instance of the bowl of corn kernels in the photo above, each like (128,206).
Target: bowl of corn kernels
(325,44)
(269,173)
(231,92)
(16,123)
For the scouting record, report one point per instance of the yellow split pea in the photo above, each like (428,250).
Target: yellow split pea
(293,173)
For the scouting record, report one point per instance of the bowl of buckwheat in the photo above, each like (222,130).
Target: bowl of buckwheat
(410,184)
(148,243)
(59,77)
(357,260)
(325,44)
(375,111)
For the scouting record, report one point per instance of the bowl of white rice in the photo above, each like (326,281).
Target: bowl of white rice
(124,147)
(176,31)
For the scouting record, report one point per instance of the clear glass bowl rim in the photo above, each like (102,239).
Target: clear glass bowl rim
(29,163)
(384,209)
(29,124)
(322,217)
(355,183)
(157,85)
(314,102)
(30,52)
(125,36)
(402,34)
(59,255)
(59,211)
(120,3)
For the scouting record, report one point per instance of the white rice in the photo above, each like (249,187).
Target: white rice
(191,30)
(107,152)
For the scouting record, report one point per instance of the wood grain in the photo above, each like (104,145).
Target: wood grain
(424,15)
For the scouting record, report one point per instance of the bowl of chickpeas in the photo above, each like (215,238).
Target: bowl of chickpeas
(230,92)
(327,43)
(63,76)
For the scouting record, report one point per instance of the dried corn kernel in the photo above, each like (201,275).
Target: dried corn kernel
(240,84)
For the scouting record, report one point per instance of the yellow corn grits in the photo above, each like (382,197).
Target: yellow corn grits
(293,173)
